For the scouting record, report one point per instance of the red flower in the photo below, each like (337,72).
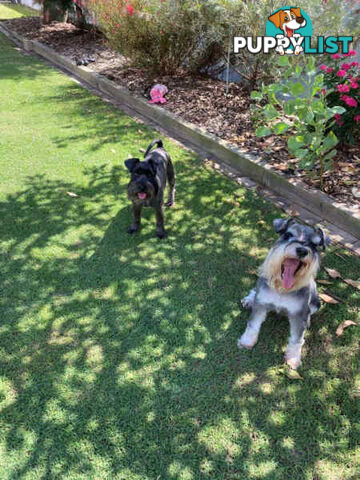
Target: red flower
(350,54)
(341,73)
(357,118)
(343,88)
(351,102)
(336,56)
(323,67)
(130,9)
(338,120)
(345,66)
(329,70)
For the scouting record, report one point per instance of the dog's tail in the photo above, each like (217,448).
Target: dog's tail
(157,142)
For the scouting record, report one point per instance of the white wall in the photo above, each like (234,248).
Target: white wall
(31,4)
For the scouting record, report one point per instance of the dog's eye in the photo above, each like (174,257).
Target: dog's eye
(287,235)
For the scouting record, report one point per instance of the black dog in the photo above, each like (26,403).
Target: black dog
(147,185)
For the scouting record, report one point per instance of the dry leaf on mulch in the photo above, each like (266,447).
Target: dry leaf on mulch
(343,325)
(332,272)
(324,282)
(72,194)
(353,283)
(328,298)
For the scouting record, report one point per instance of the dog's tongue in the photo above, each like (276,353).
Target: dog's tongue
(142,195)
(289,32)
(290,265)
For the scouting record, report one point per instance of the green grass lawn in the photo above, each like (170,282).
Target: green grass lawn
(8,11)
(118,355)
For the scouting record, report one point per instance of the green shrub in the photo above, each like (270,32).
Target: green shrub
(297,108)
(163,35)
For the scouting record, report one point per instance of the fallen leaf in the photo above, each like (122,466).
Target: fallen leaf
(333,273)
(327,298)
(353,283)
(72,194)
(356,192)
(324,282)
(142,150)
(112,150)
(294,213)
(140,132)
(293,374)
(342,326)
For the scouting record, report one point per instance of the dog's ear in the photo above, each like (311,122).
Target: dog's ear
(277,18)
(130,163)
(282,224)
(296,11)
(321,239)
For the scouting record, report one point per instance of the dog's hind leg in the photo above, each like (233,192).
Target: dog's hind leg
(136,217)
(170,173)
(298,324)
(249,338)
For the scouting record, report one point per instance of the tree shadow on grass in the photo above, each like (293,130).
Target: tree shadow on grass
(15,65)
(119,352)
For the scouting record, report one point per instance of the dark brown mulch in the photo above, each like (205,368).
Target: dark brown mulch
(200,100)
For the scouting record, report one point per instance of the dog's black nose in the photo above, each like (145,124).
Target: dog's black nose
(301,252)
(300,20)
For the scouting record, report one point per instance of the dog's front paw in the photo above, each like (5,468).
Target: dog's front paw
(293,362)
(293,356)
(161,234)
(248,301)
(170,203)
(247,340)
(132,229)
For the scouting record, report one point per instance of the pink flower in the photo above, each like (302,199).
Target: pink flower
(323,67)
(350,54)
(354,64)
(343,88)
(345,66)
(341,73)
(338,120)
(130,9)
(323,91)
(357,118)
(350,101)
(329,70)
(354,85)
(336,56)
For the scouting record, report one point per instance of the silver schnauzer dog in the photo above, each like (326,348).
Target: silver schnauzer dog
(287,284)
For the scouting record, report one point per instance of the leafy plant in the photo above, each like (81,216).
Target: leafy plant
(296,107)
(342,81)
(165,35)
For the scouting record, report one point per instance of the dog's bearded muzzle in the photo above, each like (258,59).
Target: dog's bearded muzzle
(296,260)
(141,191)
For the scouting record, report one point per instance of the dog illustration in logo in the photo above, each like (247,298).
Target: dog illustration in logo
(288,21)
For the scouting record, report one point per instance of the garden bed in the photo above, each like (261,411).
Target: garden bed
(197,99)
